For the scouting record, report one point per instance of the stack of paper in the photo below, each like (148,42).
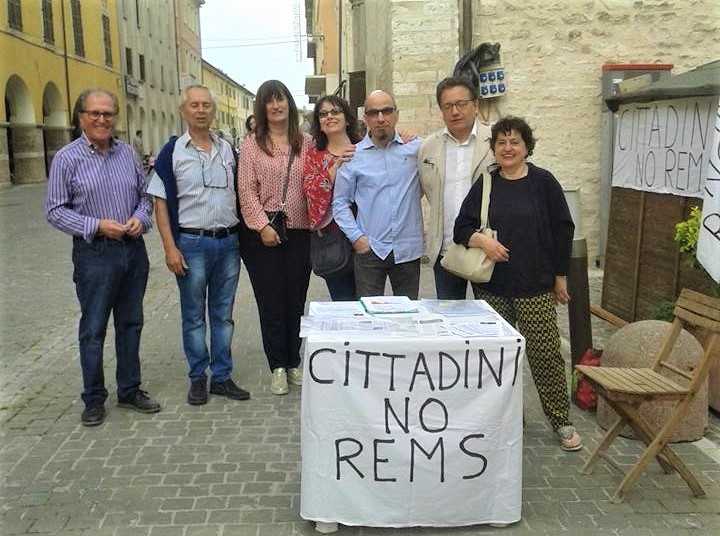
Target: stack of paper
(388,304)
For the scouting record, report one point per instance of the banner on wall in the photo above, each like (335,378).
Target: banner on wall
(708,250)
(665,146)
(416,432)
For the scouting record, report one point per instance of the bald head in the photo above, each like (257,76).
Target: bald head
(377,93)
(381,116)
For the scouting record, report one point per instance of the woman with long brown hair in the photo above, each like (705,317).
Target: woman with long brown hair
(270,176)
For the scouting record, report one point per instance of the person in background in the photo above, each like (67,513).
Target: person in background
(449,162)
(532,255)
(138,145)
(279,269)
(249,125)
(382,181)
(249,130)
(334,129)
(197,218)
(106,214)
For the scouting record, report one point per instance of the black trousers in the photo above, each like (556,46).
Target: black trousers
(280,277)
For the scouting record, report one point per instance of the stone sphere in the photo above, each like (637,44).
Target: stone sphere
(636,345)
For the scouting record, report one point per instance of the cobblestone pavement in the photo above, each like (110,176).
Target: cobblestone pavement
(232,468)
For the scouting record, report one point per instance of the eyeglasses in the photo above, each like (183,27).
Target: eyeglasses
(460,105)
(210,181)
(334,112)
(372,112)
(211,184)
(95,115)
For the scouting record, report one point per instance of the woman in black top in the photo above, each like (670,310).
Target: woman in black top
(532,255)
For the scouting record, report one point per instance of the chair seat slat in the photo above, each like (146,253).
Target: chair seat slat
(641,381)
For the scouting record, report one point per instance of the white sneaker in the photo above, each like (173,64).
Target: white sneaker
(294,376)
(279,382)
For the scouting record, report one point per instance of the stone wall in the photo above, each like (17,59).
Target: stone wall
(379,56)
(425,48)
(552,52)
(28,153)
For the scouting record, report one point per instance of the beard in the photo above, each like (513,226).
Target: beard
(381,134)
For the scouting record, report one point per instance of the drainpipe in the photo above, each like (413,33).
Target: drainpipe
(340,42)
(466,26)
(65,61)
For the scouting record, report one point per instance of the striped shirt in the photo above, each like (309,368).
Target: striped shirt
(87,186)
(260,184)
(205,184)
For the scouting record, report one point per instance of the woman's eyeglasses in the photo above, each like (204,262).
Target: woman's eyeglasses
(334,112)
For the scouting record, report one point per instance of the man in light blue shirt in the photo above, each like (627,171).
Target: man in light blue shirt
(382,181)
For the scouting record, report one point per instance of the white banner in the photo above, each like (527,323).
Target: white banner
(414,432)
(708,251)
(664,146)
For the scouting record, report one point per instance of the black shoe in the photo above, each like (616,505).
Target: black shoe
(140,401)
(229,389)
(93,415)
(197,395)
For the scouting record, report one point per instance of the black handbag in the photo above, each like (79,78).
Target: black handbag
(277,219)
(330,253)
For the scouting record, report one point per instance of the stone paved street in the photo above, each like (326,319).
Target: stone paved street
(232,468)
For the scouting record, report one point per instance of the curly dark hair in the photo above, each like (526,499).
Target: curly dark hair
(509,123)
(351,128)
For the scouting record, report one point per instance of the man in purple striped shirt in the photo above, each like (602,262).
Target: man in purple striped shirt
(97,195)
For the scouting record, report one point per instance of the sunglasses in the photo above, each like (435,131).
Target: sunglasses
(372,112)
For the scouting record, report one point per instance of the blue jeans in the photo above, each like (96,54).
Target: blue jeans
(211,278)
(342,287)
(110,275)
(448,286)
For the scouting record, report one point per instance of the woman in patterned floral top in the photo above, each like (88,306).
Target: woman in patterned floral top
(279,269)
(334,129)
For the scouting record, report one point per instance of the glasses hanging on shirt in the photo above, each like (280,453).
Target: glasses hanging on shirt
(209,175)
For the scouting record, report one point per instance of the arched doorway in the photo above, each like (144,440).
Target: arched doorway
(26,155)
(55,123)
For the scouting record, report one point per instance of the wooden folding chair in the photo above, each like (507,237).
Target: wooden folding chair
(625,389)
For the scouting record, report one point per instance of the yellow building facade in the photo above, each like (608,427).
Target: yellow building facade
(234,103)
(50,50)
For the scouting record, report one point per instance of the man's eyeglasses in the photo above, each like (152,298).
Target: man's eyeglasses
(211,181)
(334,112)
(461,105)
(95,115)
(372,112)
